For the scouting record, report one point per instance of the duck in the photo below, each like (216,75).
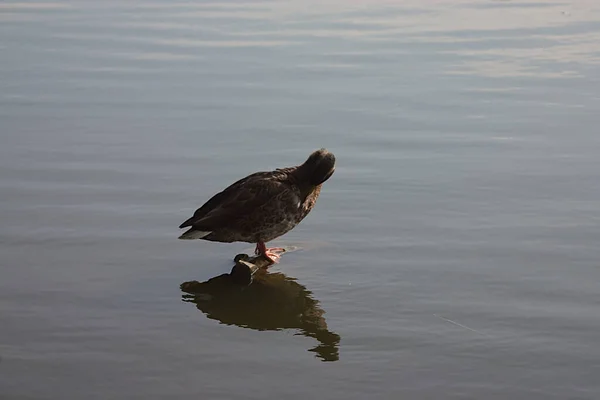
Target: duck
(262,206)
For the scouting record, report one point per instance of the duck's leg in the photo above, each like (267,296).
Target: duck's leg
(261,249)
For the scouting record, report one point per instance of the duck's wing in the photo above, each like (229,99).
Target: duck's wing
(241,198)
(246,203)
(220,198)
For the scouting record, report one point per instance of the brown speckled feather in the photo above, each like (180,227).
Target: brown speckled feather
(259,207)
(224,197)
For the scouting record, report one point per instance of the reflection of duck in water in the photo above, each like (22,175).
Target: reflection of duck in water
(262,206)
(272,302)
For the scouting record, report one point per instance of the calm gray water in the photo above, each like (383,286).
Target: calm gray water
(453,255)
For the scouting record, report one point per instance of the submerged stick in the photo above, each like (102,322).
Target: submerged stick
(242,272)
(245,267)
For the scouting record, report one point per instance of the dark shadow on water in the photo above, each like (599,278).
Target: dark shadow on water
(273,301)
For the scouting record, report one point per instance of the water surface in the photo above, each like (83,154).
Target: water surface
(454,253)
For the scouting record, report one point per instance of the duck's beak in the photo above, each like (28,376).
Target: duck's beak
(327,176)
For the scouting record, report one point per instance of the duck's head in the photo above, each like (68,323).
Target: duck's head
(319,166)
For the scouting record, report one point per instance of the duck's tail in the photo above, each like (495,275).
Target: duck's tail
(192,234)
